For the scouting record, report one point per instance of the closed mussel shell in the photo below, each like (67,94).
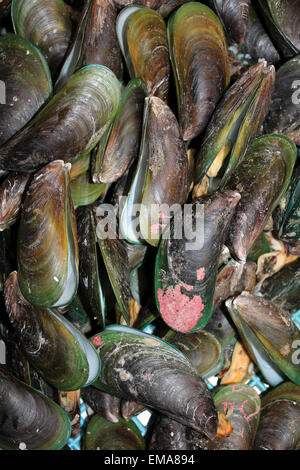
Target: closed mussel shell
(279,427)
(69,125)
(124,139)
(284,112)
(282,20)
(47,24)
(25,83)
(141,367)
(143,40)
(89,289)
(265,172)
(186,272)
(104,435)
(29,420)
(47,243)
(234,16)
(52,345)
(200,64)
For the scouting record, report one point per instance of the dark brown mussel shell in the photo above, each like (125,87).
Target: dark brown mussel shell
(257,41)
(123,141)
(168,434)
(265,172)
(25,83)
(234,16)
(116,260)
(284,112)
(47,24)
(282,20)
(279,427)
(234,125)
(102,403)
(12,191)
(47,248)
(143,41)
(269,335)
(283,288)
(29,420)
(53,346)
(186,270)
(95,41)
(69,125)
(200,65)
(105,435)
(89,289)
(161,180)
(144,368)
(241,405)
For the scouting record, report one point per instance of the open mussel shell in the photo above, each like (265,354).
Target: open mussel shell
(47,24)
(284,112)
(144,368)
(203,350)
(279,426)
(161,180)
(30,420)
(200,65)
(12,190)
(142,36)
(265,172)
(282,20)
(53,346)
(70,124)
(90,290)
(26,83)
(123,142)
(104,435)
(241,405)
(235,124)
(283,288)
(234,16)
(95,41)
(186,270)
(269,335)
(47,247)
(168,434)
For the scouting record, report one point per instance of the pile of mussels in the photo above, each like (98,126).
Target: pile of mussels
(149,176)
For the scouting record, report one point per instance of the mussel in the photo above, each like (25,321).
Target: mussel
(29,420)
(186,270)
(200,65)
(270,336)
(143,368)
(143,41)
(52,345)
(280,417)
(27,83)
(47,241)
(47,24)
(69,125)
